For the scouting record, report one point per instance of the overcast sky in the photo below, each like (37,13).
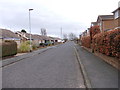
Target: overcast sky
(72,15)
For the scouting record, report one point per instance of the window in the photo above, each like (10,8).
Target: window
(116,15)
(100,24)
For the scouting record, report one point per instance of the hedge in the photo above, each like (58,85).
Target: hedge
(9,48)
(94,30)
(86,41)
(107,43)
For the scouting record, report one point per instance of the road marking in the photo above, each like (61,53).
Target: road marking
(84,73)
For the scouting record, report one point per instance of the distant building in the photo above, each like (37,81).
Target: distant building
(94,23)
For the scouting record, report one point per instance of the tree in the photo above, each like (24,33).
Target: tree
(65,37)
(72,36)
(23,30)
(43,32)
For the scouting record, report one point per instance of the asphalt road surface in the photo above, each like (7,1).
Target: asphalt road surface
(54,68)
(100,73)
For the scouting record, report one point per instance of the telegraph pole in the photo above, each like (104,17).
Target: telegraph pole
(61,32)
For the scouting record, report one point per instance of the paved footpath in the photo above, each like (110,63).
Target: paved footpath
(100,74)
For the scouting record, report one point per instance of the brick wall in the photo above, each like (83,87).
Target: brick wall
(108,24)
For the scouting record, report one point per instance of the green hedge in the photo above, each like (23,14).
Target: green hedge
(9,48)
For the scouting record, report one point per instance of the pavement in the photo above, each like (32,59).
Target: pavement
(100,73)
(54,68)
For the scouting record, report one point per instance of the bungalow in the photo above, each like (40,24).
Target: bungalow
(55,39)
(106,22)
(45,39)
(9,35)
(36,39)
(116,14)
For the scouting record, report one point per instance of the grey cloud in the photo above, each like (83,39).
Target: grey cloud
(15,16)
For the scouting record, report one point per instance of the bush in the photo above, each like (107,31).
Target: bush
(9,48)
(24,47)
(48,43)
(107,43)
(34,46)
(94,30)
(42,44)
(86,41)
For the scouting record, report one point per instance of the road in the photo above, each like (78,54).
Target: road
(55,68)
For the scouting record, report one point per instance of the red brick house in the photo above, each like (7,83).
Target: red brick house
(106,22)
(116,14)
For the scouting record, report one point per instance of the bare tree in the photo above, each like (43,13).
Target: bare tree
(43,32)
(65,37)
(72,36)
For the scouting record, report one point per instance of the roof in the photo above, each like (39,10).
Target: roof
(33,36)
(45,37)
(116,10)
(4,33)
(55,38)
(94,23)
(105,17)
(27,36)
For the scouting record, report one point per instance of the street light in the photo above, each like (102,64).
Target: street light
(30,29)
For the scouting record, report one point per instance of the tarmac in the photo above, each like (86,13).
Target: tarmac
(100,73)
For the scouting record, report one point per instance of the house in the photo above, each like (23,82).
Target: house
(106,22)
(55,39)
(45,39)
(9,35)
(94,23)
(116,14)
(36,39)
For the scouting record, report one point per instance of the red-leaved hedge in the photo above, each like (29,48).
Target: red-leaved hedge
(107,43)
(86,41)
(94,30)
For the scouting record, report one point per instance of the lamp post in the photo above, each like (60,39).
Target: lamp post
(30,30)
(61,32)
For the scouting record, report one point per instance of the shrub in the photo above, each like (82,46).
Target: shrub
(9,48)
(34,46)
(86,41)
(94,30)
(42,44)
(107,43)
(24,47)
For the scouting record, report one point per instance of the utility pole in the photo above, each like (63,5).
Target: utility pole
(30,30)
(61,32)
